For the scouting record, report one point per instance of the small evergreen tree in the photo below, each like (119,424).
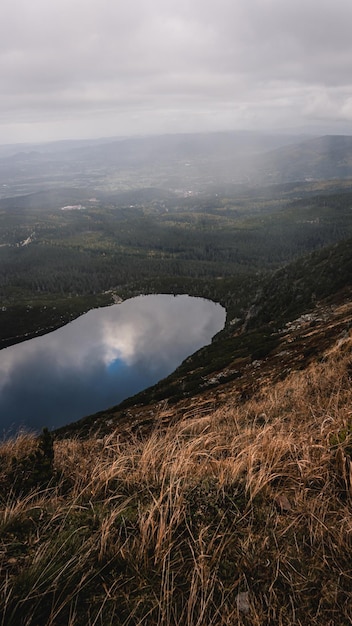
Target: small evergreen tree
(37,469)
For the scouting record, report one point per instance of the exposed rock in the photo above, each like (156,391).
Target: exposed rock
(282,502)
(242,600)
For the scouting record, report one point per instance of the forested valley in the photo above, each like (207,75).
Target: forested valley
(65,252)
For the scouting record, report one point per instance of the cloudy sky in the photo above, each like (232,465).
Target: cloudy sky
(95,68)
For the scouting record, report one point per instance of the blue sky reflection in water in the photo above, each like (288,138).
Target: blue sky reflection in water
(101,358)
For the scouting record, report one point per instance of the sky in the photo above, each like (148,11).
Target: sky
(74,69)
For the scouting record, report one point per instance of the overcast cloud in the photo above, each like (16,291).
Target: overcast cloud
(92,68)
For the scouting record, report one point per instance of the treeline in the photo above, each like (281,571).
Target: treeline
(296,287)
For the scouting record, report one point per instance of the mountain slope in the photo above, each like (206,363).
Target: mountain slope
(230,507)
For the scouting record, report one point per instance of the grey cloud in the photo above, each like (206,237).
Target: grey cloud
(110,62)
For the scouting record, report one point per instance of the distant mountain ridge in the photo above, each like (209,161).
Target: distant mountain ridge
(192,161)
(324,157)
(166,161)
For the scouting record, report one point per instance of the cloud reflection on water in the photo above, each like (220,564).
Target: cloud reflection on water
(101,358)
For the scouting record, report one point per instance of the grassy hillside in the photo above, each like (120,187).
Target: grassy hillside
(231,515)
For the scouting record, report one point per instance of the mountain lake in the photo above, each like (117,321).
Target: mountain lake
(100,359)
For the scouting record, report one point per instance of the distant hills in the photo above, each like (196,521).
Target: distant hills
(319,158)
(174,162)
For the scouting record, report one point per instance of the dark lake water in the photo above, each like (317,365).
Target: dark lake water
(101,358)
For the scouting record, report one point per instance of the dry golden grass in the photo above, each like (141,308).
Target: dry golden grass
(240,516)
